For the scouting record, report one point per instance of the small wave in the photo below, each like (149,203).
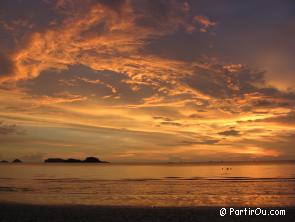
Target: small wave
(194,178)
(15,189)
(236,179)
(173,178)
(225,179)
(66,180)
(139,179)
(251,179)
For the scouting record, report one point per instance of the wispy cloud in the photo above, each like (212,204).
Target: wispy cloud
(204,22)
(83,74)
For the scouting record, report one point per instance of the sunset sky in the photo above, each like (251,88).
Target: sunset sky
(147,80)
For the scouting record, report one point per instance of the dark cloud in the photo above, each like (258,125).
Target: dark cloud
(288,118)
(162,118)
(204,142)
(263,103)
(196,116)
(86,82)
(231,132)
(164,15)
(171,123)
(233,87)
(8,129)
(276,93)
(116,5)
(175,46)
(270,103)
(6,65)
(24,17)
(220,83)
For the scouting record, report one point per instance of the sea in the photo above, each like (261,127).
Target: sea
(177,185)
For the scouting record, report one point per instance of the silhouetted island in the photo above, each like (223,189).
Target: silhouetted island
(71,160)
(17,161)
(4,161)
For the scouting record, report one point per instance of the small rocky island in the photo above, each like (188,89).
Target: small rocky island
(14,161)
(71,160)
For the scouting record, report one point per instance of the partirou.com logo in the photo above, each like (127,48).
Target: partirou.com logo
(251,212)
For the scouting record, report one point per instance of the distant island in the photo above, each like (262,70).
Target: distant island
(14,161)
(71,160)
(17,161)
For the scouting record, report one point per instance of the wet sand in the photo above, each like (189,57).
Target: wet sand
(10,212)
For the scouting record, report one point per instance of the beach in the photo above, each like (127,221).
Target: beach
(12,212)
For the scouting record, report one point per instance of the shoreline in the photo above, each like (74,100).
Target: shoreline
(18,212)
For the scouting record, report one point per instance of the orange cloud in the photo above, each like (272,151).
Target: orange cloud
(132,102)
(204,22)
(97,37)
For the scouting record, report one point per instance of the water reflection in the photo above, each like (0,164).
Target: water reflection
(159,185)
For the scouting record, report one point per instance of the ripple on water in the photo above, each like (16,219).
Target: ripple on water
(15,189)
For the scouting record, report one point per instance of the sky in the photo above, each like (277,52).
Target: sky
(147,80)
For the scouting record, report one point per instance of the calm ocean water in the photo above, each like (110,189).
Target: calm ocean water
(150,185)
